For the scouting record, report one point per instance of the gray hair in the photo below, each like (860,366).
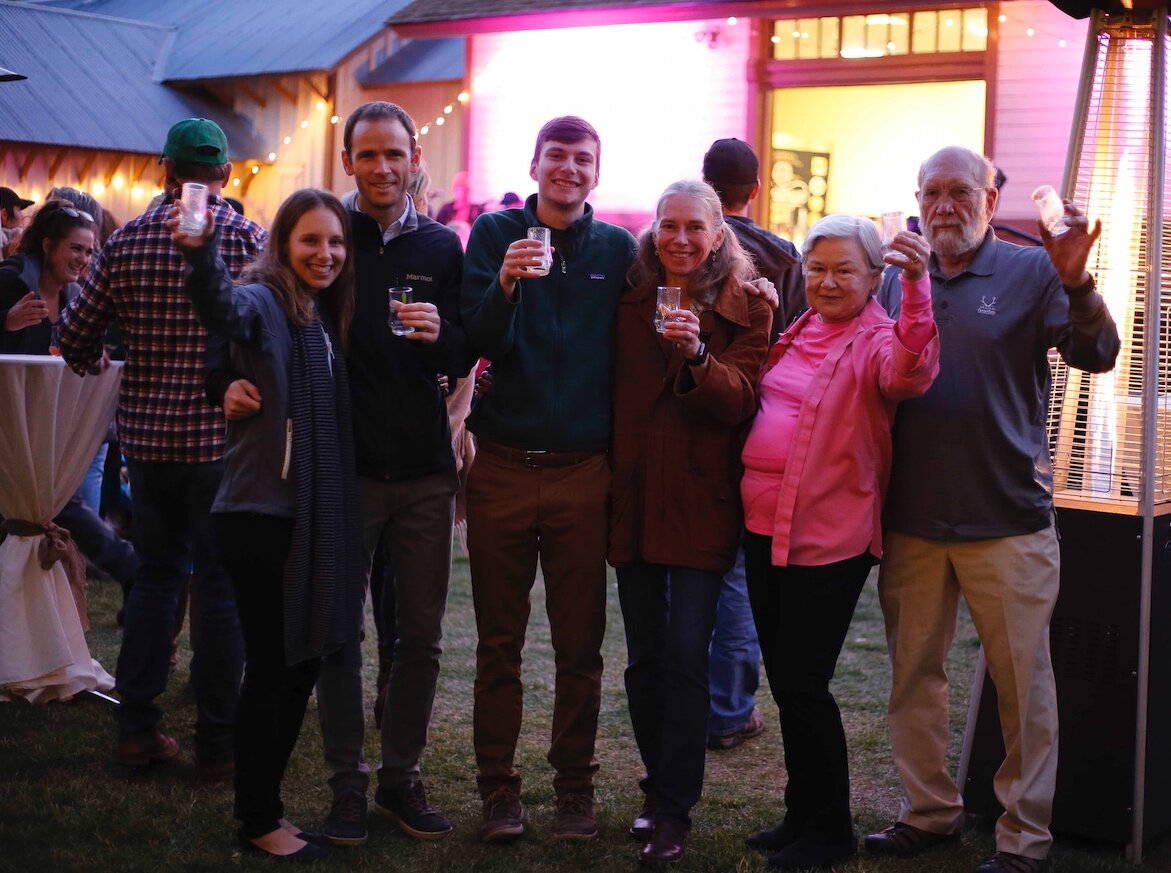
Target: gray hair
(983,170)
(841,226)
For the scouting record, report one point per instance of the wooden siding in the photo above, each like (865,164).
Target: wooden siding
(1036,87)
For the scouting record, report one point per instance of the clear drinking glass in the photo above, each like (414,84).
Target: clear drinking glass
(892,223)
(541,234)
(400,294)
(1052,210)
(666,301)
(193,208)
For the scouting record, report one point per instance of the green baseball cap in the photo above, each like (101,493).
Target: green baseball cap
(198,141)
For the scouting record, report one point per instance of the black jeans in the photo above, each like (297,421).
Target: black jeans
(802,616)
(273,698)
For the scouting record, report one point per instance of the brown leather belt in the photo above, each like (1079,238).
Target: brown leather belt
(534,457)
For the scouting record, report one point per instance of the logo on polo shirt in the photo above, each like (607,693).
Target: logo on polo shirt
(987,307)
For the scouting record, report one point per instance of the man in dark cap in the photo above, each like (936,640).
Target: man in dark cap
(731,168)
(173,439)
(11,220)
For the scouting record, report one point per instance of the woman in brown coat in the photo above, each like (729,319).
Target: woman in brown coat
(682,399)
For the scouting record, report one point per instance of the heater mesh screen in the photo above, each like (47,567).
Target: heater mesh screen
(1096,421)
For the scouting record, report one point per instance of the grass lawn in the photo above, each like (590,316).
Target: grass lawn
(64,806)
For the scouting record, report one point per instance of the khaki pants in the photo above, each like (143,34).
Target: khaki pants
(1010,585)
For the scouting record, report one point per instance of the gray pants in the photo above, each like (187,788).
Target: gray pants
(416,518)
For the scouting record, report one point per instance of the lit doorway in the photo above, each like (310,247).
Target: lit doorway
(857,148)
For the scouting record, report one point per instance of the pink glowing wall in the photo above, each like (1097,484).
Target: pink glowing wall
(659,94)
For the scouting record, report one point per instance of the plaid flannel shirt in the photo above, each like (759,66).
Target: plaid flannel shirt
(137,280)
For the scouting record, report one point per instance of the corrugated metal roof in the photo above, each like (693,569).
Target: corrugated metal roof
(217,39)
(421,60)
(454,10)
(91,84)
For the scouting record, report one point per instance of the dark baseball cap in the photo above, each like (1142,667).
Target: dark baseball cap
(9,199)
(197,141)
(731,162)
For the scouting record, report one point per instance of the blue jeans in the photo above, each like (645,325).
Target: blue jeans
(735,656)
(91,486)
(669,613)
(173,535)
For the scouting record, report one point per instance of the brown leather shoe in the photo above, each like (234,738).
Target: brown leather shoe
(751,729)
(207,773)
(643,825)
(575,819)
(667,844)
(143,750)
(904,840)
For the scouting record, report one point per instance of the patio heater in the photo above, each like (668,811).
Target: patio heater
(1110,438)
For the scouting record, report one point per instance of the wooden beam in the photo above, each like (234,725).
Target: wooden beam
(140,170)
(86,166)
(224,94)
(252,94)
(56,164)
(22,171)
(312,86)
(280,88)
(113,168)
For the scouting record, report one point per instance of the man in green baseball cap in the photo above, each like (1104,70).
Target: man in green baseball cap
(196,140)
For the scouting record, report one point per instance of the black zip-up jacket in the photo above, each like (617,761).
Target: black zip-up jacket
(778,261)
(401,428)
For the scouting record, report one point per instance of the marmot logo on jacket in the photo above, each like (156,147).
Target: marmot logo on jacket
(413,277)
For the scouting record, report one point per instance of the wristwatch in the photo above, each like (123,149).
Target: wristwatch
(700,356)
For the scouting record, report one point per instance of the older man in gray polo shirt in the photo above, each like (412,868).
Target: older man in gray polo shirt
(969,510)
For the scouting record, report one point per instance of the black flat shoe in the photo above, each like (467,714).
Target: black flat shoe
(307,853)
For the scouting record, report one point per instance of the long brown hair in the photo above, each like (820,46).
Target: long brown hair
(273,268)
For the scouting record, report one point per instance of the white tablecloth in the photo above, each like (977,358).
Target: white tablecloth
(51,424)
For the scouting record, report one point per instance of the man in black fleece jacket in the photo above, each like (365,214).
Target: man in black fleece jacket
(406,469)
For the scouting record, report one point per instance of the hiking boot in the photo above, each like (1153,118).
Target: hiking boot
(346,823)
(575,818)
(142,750)
(751,729)
(408,807)
(503,816)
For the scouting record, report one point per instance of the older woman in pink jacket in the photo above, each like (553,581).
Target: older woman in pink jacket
(816,465)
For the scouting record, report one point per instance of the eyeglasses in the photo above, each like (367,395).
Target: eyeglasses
(962,194)
(78,213)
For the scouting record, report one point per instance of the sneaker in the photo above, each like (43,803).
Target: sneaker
(346,823)
(575,818)
(142,750)
(503,816)
(408,807)
(751,729)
